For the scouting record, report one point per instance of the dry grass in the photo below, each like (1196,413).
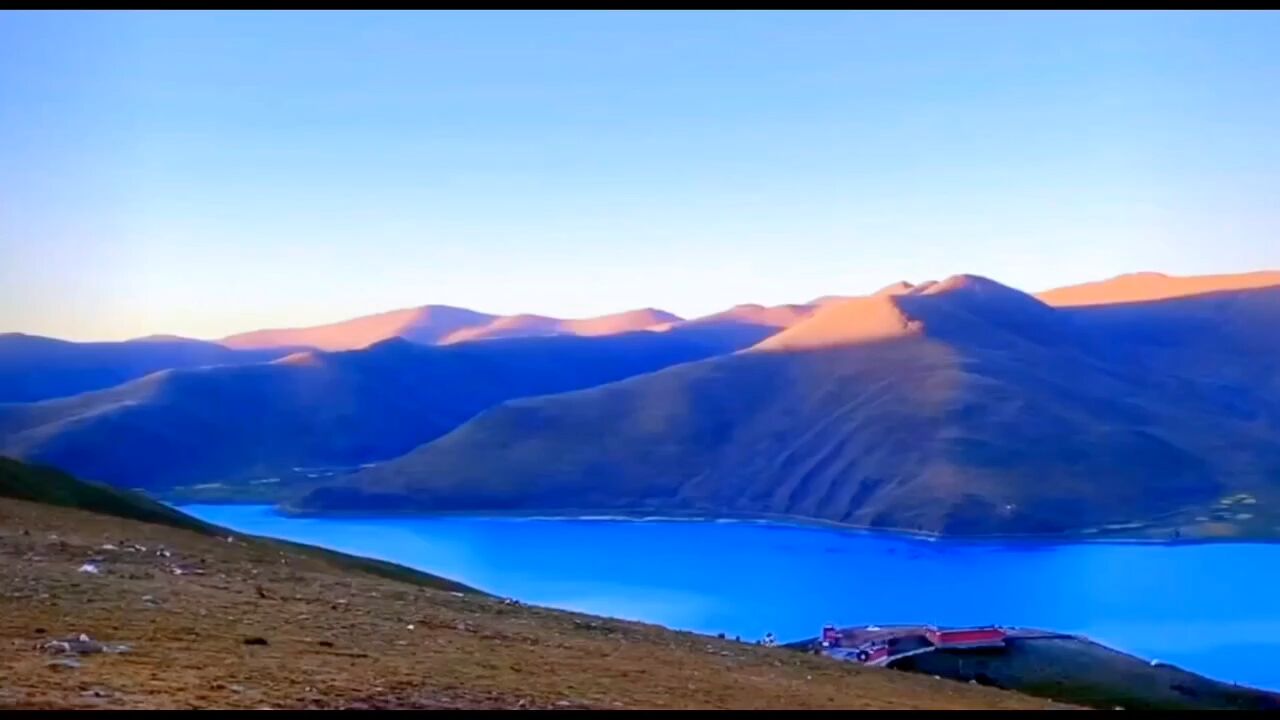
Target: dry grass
(339,638)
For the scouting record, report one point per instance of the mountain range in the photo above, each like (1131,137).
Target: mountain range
(961,406)
(444,325)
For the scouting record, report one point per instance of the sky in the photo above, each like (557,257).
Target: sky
(202,173)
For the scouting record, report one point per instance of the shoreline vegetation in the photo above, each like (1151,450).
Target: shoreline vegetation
(1087,536)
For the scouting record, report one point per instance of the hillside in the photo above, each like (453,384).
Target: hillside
(194,620)
(961,407)
(51,487)
(36,368)
(312,409)
(442,325)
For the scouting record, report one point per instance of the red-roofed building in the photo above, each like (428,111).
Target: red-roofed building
(966,637)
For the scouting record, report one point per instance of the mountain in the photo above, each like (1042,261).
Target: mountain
(539,325)
(36,368)
(442,325)
(961,407)
(1144,286)
(315,408)
(427,324)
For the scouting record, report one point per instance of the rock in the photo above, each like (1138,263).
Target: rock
(68,663)
(90,568)
(256,641)
(108,546)
(82,645)
(324,643)
(563,703)
(409,626)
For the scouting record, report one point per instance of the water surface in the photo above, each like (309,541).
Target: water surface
(1212,608)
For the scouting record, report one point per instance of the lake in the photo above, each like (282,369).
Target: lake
(1210,608)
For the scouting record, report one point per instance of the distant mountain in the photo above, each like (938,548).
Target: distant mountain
(36,368)
(443,325)
(427,324)
(321,409)
(1139,287)
(962,407)
(538,325)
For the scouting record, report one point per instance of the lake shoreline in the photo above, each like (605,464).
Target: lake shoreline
(768,519)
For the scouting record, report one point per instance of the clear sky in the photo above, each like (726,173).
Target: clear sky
(207,173)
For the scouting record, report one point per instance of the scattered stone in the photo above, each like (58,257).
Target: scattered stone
(108,546)
(90,568)
(256,641)
(409,626)
(82,645)
(563,703)
(163,553)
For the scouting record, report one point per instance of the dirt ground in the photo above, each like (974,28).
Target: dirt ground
(215,624)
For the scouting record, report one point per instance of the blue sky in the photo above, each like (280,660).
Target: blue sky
(206,173)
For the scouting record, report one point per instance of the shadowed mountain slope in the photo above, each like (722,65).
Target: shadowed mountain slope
(962,407)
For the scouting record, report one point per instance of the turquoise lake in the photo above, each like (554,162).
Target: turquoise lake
(1211,608)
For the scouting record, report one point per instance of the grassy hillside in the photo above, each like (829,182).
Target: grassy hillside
(246,623)
(962,407)
(37,483)
(195,426)
(50,486)
(1085,673)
